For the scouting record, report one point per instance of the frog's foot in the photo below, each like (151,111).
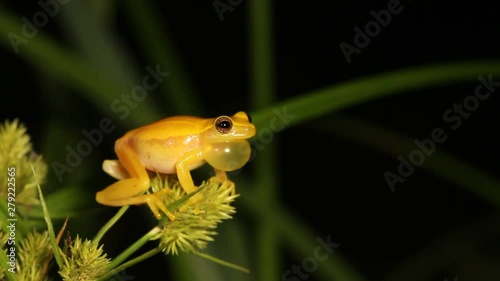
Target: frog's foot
(155,203)
(229,185)
(221,177)
(225,184)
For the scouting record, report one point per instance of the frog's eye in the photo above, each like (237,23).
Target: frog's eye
(223,124)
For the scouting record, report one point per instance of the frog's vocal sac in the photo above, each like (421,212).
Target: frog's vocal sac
(175,145)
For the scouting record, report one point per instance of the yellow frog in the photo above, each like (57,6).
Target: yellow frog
(175,145)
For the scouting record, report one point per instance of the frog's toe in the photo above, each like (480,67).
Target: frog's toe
(156,205)
(227,184)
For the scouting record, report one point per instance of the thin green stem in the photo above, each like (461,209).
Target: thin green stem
(110,223)
(262,68)
(134,247)
(262,81)
(222,262)
(48,221)
(130,263)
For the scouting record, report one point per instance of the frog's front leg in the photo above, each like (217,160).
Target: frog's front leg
(126,191)
(193,158)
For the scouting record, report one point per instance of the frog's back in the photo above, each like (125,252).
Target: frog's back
(161,144)
(172,127)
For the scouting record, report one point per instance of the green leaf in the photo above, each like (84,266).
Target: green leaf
(320,102)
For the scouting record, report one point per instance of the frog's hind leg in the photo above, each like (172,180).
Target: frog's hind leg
(154,201)
(126,191)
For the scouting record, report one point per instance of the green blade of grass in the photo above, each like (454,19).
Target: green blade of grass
(70,68)
(50,227)
(232,243)
(320,102)
(134,247)
(440,163)
(157,46)
(109,224)
(222,262)
(261,63)
(317,103)
(130,263)
(98,43)
(262,92)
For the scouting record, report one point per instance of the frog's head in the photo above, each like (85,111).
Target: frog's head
(225,146)
(229,128)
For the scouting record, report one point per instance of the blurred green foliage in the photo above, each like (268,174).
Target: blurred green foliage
(92,65)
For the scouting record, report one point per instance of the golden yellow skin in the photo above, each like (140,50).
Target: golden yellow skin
(174,145)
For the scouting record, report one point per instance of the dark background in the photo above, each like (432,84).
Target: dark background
(333,184)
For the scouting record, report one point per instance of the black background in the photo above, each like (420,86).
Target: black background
(336,186)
